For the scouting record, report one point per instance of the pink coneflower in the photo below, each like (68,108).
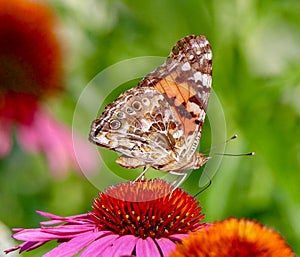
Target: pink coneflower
(234,237)
(31,72)
(131,219)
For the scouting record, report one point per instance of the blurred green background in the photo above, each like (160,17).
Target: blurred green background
(256,75)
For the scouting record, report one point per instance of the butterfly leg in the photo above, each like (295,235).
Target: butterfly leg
(181,175)
(142,175)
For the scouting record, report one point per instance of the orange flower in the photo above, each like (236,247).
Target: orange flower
(234,237)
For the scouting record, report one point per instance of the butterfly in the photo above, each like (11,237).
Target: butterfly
(159,122)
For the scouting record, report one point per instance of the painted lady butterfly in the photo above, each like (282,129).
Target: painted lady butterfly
(158,124)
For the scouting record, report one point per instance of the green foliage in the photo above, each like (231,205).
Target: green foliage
(256,75)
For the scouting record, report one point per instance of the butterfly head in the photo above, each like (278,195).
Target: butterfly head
(200,160)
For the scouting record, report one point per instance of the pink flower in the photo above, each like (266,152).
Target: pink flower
(30,72)
(140,219)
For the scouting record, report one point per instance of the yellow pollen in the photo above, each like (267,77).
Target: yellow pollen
(187,214)
(177,217)
(126,216)
(169,216)
(138,218)
(153,217)
(133,212)
(103,206)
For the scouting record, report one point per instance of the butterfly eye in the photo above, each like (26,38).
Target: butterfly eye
(120,115)
(137,105)
(145,101)
(115,124)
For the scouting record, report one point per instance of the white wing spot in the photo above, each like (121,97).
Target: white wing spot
(204,97)
(197,76)
(208,56)
(178,134)
(186,66)
(206,80)
(195,45)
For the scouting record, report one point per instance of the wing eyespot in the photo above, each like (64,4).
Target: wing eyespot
(120,115)
(137,105)
(115,124)
(130,111)
(146,101)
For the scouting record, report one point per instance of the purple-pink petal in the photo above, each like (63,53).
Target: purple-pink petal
(27,246)
(35,234)
(76,219)
(123,246)
(50,215)
(68,229)
(97,248)
(146,248)
(166,245)
(73,246)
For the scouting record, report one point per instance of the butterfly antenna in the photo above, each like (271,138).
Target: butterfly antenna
(233,137)
(232,154)
(217,145)
(205,187)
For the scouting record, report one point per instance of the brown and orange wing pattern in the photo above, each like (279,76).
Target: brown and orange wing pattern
(185,82)
(159,122)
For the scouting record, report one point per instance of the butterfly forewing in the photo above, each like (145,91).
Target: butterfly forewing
(185,82)
(159,123)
